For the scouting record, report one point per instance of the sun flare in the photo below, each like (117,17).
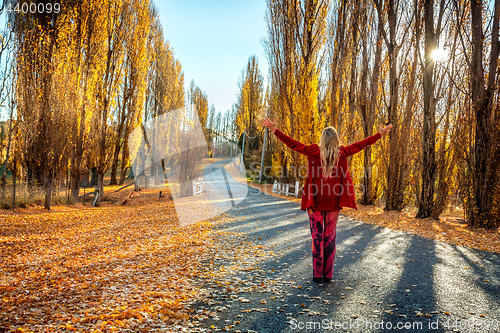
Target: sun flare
(439,54)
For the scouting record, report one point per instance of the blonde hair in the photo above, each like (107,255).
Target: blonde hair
(329,150)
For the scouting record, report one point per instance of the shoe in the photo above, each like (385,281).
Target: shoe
(327,280)
(317,280)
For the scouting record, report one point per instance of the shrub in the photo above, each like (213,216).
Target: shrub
(22,203)
(5,205)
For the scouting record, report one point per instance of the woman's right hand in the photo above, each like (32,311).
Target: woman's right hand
(384,130)
(266,122)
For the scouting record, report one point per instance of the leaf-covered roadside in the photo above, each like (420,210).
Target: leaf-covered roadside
(103,269)
(446,229)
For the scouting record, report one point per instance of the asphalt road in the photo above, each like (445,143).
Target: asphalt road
(384,280)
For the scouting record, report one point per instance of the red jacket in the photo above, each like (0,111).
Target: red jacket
(336,191)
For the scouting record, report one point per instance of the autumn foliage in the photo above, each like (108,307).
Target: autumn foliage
(355,64)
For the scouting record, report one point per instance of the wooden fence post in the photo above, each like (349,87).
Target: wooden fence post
(96,196)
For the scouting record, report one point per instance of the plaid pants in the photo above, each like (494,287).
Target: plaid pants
(324,233)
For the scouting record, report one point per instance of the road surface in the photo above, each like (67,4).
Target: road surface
(384,280)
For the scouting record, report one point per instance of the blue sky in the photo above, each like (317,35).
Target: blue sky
(213,41)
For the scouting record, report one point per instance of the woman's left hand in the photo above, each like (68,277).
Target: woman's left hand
(269,124)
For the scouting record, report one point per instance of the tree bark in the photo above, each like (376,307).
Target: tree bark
(5,164)
(367,108)
(429,123)
(352,86)
(48,194)
(13,170)
(100,188)
(393,171)
(338,49)
(483,210)
(125,161)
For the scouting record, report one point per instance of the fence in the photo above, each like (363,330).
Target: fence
(198,186)
(284,189)
(150,181)
(22,195)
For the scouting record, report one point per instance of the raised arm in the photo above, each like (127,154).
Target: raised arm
(359,146)
(291,143)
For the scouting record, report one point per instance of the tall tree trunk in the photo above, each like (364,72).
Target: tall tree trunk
(483,210)
(4,184)
(121,125)
(76,161)
(48,194)
(335,67)
(75,182)
(124,163)
(404,136)
(443,168)
(100,188)
(429,123)
(368,113)
(114,164)
(393,170)
(13,170)
(405,132)
(3,173)
(352,86)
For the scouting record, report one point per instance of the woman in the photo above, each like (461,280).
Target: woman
(328,187)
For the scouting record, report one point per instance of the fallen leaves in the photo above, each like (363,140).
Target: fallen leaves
(447,229)
(128,267)
(256,310)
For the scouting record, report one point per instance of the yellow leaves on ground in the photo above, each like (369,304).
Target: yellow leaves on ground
(112,268)
(447,229)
